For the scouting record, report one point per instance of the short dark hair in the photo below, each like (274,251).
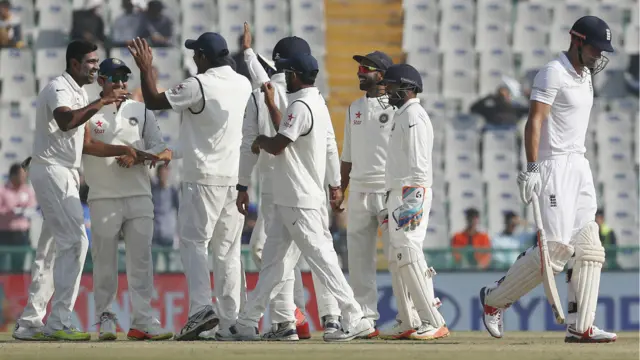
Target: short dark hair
(77,49)
(600,212)
(508,215)
(308,78)
(471,213)
(14,169)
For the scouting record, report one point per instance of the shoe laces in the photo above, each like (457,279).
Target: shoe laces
(495,312)
(106,316)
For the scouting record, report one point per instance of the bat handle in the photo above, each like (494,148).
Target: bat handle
(537,217)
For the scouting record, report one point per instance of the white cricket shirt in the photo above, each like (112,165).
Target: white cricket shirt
(124,126)
(409,159)
(366,138)
(571,97)
(210,139)
(301,169)
(257,121)
(51,145)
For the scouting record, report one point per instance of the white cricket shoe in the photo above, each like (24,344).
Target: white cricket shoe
(238,332)
(27,333)
(209,334)
(331,324)
(362,329)
(284,331)
(593,335)
(203,320)
(108,326)
(426,331)
(492,317)
(399,331)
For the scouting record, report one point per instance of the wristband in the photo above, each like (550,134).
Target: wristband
(533,167)
(242,188)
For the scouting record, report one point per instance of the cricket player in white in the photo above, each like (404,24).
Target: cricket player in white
(62,110)
(285,315)
(364,153)
(302,144)
(212,104)
(409,176)
(120,200)
(559,174)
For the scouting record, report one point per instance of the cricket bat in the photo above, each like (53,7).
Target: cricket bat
(548,279)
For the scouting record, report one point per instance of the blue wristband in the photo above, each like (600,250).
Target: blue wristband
(533,167)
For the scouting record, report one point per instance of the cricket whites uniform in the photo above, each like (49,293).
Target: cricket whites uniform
(567,198)
(366,137)
(300,216)
(409,177)
(212,106)
(120,200)
(54,175)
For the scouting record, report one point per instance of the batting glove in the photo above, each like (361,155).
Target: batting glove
(530,183)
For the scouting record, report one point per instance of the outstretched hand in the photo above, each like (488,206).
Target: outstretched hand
(246,37)
(142,54)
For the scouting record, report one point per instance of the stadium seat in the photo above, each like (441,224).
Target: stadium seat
(418,36)
(627,236)
(499,201)
(236,12)
(307,22)
(527,37)
(465,191)
(618,60)
(632,39)
(431,80)
(421,11)
(490,81)
(197,12)
(458,59)
(497,59)
(26,12)
(535,58)
(492,35)
(46,39)
(532,13)
(456,36)
(50,61)
(494,11)
(437,108)
(457,161)
(614,164)
(28,106)
(17,86)
(457,12)
(610,84)
(12,60)
(165,58)
(460,84)
(44,80)
(425,57)
(612,13)
(559,37)
(566,13)
(269,35)
(271,24)
(500,140)
(196,28)
(56,15)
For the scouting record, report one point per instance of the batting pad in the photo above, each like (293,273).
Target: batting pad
(406,311)
(414,272)
(525,274)
(585,279)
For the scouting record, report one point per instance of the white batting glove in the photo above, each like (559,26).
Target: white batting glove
(529,182)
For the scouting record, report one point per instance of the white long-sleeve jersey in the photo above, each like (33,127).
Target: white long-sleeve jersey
(409,159)
(132,124)
(366,137)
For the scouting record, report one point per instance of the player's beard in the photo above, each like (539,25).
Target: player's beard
(90,75)
(367,81)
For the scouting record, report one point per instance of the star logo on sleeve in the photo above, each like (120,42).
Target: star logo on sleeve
(290,118)
(99,124)
(358,115)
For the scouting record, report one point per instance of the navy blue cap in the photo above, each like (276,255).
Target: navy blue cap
(593,31)
(110,65)
(300,63)
(380,59)
(403,74)
(213,45)
(287,47)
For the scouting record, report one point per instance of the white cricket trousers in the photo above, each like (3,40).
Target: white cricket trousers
(208,216)
(309,230)
(134,217)
(56,189)
(41,287)
(568,196)
(362,240)
(281,309)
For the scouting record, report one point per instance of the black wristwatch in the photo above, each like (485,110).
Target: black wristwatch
(242,188)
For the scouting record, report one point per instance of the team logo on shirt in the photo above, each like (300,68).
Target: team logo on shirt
(177,89)
(289,120)
(383,118)
(99,125)
(133,121)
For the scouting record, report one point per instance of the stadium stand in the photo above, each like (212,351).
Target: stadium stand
(463,48)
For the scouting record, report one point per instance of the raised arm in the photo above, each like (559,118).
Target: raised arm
(256,70)
(143,56)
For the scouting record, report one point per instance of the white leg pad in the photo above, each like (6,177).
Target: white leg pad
(585,278)
(406,311)
(524,275)
(414,272)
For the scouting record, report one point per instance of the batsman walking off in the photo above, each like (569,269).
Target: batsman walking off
(559,174)
(408,180)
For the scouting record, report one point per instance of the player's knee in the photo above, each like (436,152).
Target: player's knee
(559,254)
(587,244)
(405,256)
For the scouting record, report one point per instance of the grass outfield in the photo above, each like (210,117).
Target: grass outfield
(461,345)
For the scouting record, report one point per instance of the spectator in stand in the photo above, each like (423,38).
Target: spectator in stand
(607,236)
(165,208)
(632,75)
(125,27)
(88,24)
(502,110)
(510,242)
(17,204)
(137,93)
(10,27)
(156,27)
(471,238)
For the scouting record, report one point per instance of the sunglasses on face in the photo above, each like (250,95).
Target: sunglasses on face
(367,69)
(117,78)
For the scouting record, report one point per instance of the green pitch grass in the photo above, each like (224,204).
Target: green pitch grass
(460,345)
